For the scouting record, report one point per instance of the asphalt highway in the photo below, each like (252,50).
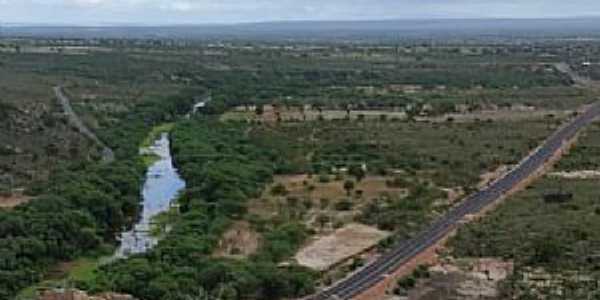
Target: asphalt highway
(404,251)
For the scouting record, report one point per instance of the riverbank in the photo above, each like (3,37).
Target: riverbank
(83,270)
(161,187)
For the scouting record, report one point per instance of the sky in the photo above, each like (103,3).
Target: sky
(157,12)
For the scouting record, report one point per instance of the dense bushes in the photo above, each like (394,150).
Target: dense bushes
(83,209)
(83,205)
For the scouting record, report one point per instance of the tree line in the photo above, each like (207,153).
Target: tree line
(223,169)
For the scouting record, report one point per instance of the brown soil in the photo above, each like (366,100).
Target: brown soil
(512,114)
(240,241)
(7,202)
(310,190)
(464,279)
(299,186)
(295,114)
(72,294)
(584,174)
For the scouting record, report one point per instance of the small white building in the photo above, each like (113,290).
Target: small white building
(199,106)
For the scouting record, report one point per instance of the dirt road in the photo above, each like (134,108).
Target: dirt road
(107,153)
(578,79)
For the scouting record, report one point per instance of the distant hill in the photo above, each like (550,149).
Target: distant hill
(306,30)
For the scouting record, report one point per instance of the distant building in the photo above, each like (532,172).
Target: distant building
(201,103)
(199,106)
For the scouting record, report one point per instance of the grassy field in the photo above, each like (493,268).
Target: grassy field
(67,274)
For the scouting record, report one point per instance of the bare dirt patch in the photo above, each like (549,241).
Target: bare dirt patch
(584,174)
(81,295)
(462,279)
(7,202)
(305,186)
(303,190)
(272,114)
(240,241)
(328,251)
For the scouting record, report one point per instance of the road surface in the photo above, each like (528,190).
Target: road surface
(404,251)
(107,153)
(577,79)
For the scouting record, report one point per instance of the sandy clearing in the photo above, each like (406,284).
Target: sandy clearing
(7,202)
(371,186)
(584,174)
(500,115)
(303,187)
(330,250)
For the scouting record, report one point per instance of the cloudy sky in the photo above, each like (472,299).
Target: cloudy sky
(233,11)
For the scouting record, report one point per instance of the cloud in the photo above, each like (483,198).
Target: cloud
(180,6)
(208,11)
(87,3)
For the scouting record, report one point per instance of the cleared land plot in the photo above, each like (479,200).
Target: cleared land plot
(311,199)
(346,242)
(501,115)
(461,279)
(308,114)
(584,174)
(311,186)
(7,202)
(239,241)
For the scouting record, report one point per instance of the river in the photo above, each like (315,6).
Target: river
(162,186)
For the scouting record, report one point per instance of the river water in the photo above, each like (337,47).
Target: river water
(161,188)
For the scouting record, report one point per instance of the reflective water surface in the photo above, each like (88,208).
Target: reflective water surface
(161,188)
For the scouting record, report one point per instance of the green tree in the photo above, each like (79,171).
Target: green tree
(349,186)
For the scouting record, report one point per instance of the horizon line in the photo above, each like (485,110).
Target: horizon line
(190,24)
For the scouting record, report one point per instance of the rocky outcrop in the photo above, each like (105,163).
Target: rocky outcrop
(72,294)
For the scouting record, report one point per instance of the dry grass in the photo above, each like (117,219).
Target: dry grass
(502,115)
(309,188)
(296,114)
(468,278)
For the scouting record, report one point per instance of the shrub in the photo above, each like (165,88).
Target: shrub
(324,178)
(279,190)
(324,203)
(344,205)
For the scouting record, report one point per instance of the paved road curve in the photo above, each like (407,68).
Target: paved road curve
(404,251)
(107,153)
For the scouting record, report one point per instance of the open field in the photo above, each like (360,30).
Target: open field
(323,192)
(346,242)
